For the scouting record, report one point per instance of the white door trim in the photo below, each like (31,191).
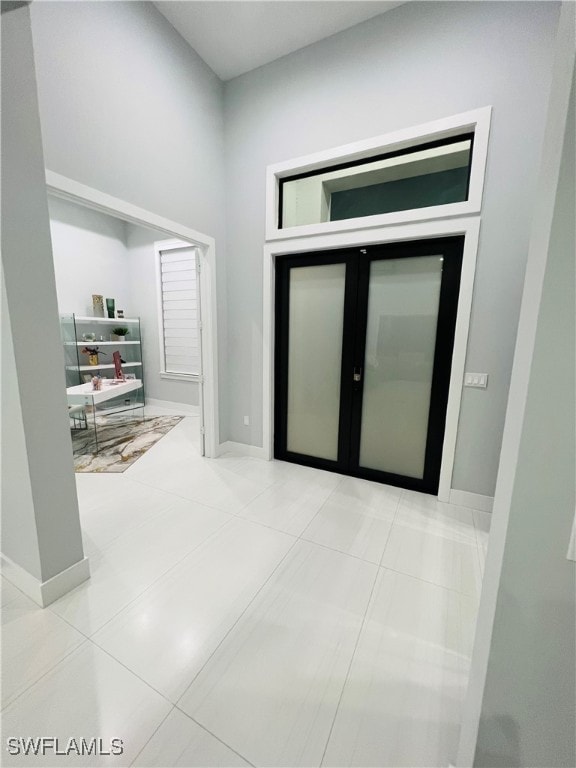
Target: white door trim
(68,189)
(477,120)
(469,227)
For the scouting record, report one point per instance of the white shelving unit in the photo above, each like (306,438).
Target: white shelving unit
(99,343)
(99,367)
(74,328)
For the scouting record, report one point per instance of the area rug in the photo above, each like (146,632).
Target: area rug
(121,441)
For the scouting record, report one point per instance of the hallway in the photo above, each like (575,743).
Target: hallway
(248,612)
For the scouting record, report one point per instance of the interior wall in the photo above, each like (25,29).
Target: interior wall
(416,63)
(98,253)
(89,257)
(529,704)
(19,534)
(143,285)
(127,107)
(37,419)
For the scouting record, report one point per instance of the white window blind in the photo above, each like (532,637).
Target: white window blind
(180,310)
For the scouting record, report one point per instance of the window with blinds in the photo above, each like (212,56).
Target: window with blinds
(180,309)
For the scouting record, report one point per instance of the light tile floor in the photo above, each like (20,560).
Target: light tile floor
(243,612)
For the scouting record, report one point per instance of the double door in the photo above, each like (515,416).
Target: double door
(364,340)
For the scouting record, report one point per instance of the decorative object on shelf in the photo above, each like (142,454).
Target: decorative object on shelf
(120,314)
(98,305)
(120,333)
(88,337)
(117,366)
(97,383)
(110,303)
(92,353)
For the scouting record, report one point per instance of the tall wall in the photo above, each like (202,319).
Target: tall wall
(19,535)
(416,63)
(41,528)
(529,704)
(129,108)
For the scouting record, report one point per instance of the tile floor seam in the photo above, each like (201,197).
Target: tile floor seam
(425,581)
(154,732)
(16,597)
(131,671)
(194,501)
(338,551)
(204,728)
(356,644)
(243,507)
(264,525)
(333,549)
(46,672)
(438,534)
(235,624)
(153,583)
(391,526)
(301,537)
(320,508)
(155,516)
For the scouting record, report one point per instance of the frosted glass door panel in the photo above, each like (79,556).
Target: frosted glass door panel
(316,319)
(403,301)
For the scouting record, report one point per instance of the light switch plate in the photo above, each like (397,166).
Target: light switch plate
(476,380)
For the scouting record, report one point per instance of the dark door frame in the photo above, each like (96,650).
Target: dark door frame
(357,260)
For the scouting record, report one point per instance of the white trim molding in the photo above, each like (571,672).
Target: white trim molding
(44,593)
(184,408)
(476,121)
(68,189)
(471,500)
(242,449)
(469,227)
(193,377)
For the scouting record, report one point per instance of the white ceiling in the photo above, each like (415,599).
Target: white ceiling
(235,36)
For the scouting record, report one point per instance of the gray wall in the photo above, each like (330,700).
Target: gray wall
(19,536)
(529,705)
(89,257)
(143,286)
(35,418)
(129,108)
(414,64)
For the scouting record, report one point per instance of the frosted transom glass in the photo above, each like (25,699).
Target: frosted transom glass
(316,318)
(403,300)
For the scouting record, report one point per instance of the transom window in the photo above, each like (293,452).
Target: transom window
(420,176)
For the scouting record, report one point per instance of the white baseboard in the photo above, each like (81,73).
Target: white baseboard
(45,592)
(472,500)
(193,410)
(243,449)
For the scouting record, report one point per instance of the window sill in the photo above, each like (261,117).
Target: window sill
(180,376)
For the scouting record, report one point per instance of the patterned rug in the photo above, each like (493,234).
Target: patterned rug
(121,441)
